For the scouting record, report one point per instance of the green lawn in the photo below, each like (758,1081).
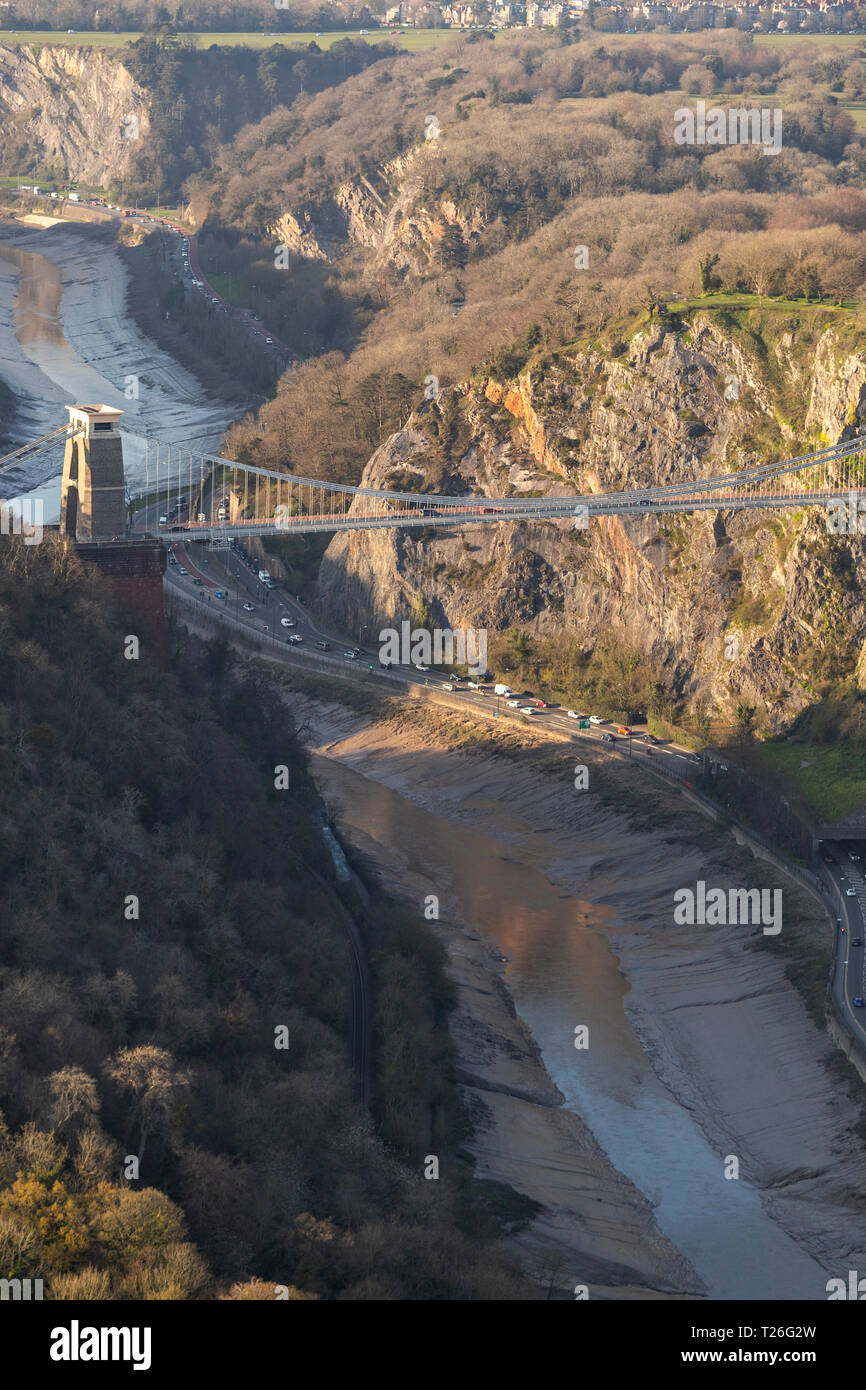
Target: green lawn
(414,40)
(230,287)
(788,40)
(834,782)
(754,301)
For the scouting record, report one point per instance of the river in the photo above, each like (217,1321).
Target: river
(65,337)
(563,973)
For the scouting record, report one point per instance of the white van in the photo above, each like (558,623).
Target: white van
(502,690)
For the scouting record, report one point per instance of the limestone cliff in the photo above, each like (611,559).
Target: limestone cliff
(756,607)
(76,109)
(388,215)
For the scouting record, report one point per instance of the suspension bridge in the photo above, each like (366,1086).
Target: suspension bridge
(218,499)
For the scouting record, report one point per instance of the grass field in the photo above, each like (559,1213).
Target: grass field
(414,40)
(834,780)
(789,40)
(753,301)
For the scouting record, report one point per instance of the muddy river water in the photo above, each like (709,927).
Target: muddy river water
(562,973)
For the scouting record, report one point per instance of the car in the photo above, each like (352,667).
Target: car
(172,560)
(181,570)
(572,714)
(849,893)
(198,581)
(294,638)
(219,594)
(473,685)
(287,622)
(324,646)
(595,719)
(539,704)
(608,738)
(447,685)
(249,608)
(644,501)
(858,1002)
(828,859)
(650,738)
(513,704)
(350,656)
(269,340)
(857,941)
(855,858)
(623,730)
(163,521)
(419,666)
(528,709)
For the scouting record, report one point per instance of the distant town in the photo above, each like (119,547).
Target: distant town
(820,17)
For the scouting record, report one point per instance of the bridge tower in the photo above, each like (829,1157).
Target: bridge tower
(93,520)
(93,494)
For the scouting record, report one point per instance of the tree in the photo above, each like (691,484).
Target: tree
(419,612)
(147,1075)
(452,247)
(706,266)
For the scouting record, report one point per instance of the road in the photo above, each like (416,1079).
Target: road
(849,983)
(268,608)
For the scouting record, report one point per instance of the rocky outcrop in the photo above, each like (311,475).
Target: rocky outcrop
(730,607)
(389,216)
(79,110)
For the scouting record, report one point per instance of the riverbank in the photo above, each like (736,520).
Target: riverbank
(731,1044)
(65,336)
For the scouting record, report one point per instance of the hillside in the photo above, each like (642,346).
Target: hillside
(165,911)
